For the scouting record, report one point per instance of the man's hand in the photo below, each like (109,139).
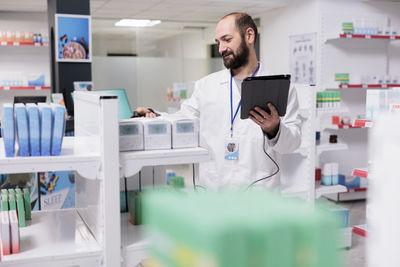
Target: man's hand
(269,123)
(145,112)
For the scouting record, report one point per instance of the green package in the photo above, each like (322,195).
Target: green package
(27,204)
(347,27)
(21,210)
(4,202)
(254,229)
(12,203)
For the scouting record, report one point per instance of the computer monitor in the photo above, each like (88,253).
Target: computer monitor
(124,109)
(29,99)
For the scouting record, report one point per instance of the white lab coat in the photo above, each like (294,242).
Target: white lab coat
(210,103)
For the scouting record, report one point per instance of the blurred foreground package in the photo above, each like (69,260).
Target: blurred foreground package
(238,230)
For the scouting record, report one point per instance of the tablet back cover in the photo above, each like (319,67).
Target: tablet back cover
(258,91)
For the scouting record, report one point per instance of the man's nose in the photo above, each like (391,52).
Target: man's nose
(222,48)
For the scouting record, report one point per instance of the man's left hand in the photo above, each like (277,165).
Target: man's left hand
(269,123)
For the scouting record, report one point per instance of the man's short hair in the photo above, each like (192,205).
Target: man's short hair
(244,21)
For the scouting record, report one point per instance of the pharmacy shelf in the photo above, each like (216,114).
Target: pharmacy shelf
(331,147)
(328,189)
(56,238)
(360,230)
(295,191)
(328,111)
(369,86)
(133,161)
(78,153)
(363,123)
(133,242)
(25,88)
(23,44)
(360,173)
(363,36)
(340,126)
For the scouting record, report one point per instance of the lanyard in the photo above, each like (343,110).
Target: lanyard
(240,102)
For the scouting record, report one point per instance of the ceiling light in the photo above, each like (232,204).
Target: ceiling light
(137,23)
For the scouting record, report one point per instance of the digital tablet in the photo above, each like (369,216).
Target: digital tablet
(260,90)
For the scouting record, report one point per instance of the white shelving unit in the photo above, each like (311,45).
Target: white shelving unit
(330,147)
(134,244)
(66,237)
(328,189)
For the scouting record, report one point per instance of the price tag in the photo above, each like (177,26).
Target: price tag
(37,44)
(344,85)
(6,87)
(4,43)
(16,43)
(384,85)
(367,36)
(38,88)
(364,86)
(392,37)
(369,124)
(348,35)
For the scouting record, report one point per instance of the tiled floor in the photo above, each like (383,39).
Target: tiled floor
(355,257)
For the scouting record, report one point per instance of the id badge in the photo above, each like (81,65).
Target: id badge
(231,148)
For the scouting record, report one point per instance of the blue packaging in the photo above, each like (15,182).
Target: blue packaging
(326,179)
(22,129)
(58,128)
(46,122)
(8,129)
(34,128)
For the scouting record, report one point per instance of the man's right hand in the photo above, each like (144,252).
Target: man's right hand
(145,112)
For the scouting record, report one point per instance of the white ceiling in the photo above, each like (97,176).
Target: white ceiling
(176,15)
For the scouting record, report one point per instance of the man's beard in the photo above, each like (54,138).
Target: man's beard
(238,60)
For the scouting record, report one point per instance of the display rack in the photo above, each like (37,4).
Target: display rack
(23,44)
(321,190)
(64,237)
(25,88)
(369,86)
(133,242)
(331,147)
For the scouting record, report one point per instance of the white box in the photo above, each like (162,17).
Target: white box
(131,136)
(5,232)
(15,244)
(185,133)
(157,134)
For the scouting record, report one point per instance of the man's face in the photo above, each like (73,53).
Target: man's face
(232,45)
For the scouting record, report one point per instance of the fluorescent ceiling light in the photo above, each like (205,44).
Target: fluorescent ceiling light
(137,23)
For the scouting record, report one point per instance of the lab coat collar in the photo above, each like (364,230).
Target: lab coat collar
(226,74)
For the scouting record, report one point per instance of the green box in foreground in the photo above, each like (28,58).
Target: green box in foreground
(238,230)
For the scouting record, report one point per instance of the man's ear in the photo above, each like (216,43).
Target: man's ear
(250,36)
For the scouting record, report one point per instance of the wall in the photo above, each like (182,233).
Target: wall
(298,17)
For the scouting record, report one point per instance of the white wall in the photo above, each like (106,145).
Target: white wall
(298,17)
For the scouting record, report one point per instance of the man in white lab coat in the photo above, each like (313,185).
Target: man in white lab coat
(243,151)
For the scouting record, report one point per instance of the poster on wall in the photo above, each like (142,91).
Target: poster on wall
(73,38)
(303,58)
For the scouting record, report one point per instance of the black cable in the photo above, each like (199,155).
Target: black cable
(140,181)
(269,176)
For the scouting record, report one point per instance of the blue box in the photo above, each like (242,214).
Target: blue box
(58,128)
(22,129)
(34,128)
(46,122)
(8,129)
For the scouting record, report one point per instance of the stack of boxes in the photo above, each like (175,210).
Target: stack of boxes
(328,99)
(39,129)
(15,210)
(330,174)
